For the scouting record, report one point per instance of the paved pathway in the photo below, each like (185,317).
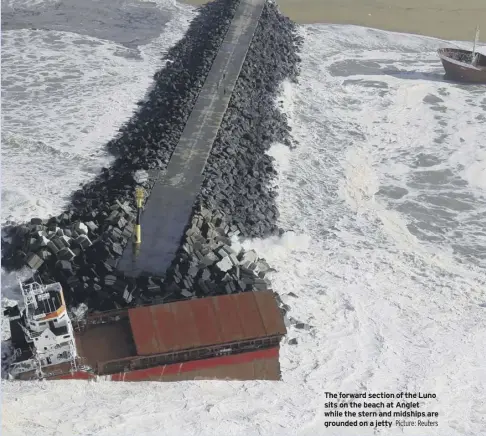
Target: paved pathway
(169,207)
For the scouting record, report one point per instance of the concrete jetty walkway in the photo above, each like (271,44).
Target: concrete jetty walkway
(169,206)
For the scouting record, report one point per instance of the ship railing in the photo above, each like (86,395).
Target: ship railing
(80,362)
(144,362)
(79,325)
(25,366)
(111,315)
(67,368)
(99,318)
(464,57)
(118,314)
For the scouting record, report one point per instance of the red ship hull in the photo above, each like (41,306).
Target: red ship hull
(457,65)
(255,365)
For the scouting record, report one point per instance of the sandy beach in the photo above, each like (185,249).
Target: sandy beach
(445,19)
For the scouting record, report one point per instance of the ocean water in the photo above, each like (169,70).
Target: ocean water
(71,75)
(384,200)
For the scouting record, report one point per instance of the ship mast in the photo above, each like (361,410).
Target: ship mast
(476,40)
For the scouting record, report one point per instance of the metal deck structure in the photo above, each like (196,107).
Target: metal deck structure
(169,206)
(145,337)
(233,336)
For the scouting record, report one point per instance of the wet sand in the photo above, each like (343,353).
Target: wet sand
(445,19)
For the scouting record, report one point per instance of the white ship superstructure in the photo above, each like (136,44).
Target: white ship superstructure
(47,330)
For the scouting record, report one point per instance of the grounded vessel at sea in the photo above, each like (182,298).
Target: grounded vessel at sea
(233,336)
(465,66)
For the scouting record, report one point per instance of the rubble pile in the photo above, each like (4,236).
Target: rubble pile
(76,253)
(239,174)
(212,261)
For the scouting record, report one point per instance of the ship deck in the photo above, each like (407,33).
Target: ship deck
(104,342)
(235,336)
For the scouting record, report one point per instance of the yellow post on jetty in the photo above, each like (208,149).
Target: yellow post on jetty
(139,196)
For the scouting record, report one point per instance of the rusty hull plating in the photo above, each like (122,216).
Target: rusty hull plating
(458,65)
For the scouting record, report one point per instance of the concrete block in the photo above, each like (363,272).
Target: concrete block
(153,288)
(222,253)
(260,287)
(224,239)
(241,227)
(81,228)
(212,234)
(120,222)
(92,227)
(83,241)
(263,266)
(210,259)
(42,241)
(186,293)
(233,259)
(227,278)
(44,254)
(58,242)
(285,308)
(66,240)
(224,264)
(39,234)
(55,245)
(200,238)
(65,254)
(34,261)
(125,207)
(64,265)
(246,274)
(205,250)
(206,213)
(127,295)
(110,280)
(73,281)
(204,287)
(302,326)
(206,275)
(249,256)
(117,249)
(198,246)
(242,285)
(192,231)
(199,222)
(53,229)
(127,232)
(193,270)
(116,232)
